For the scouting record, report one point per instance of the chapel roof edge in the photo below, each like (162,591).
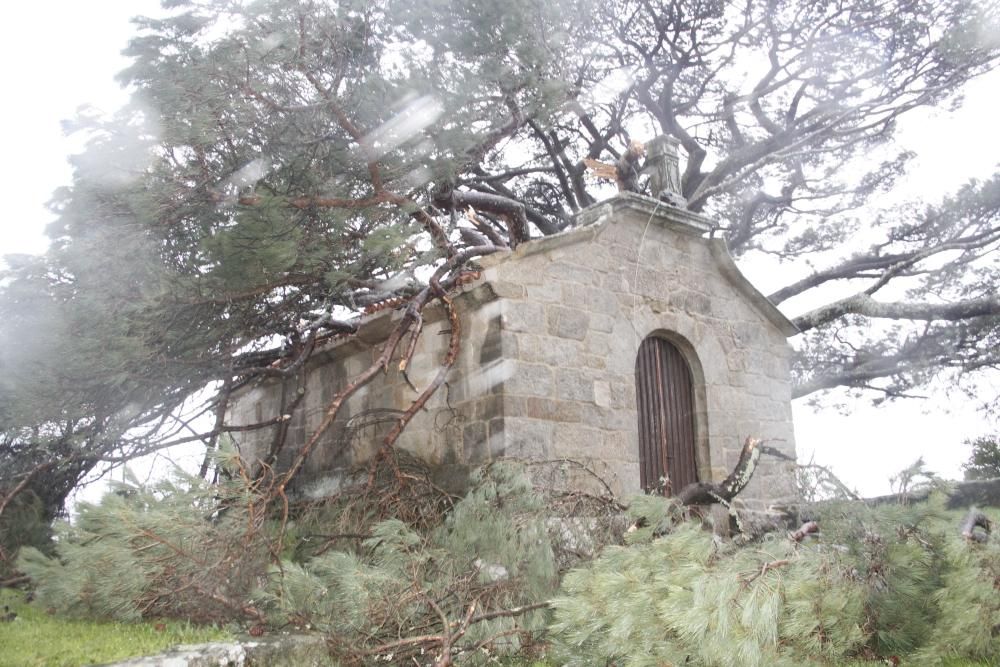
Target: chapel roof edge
(658,211)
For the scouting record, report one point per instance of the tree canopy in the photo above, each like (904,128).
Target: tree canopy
(285,163)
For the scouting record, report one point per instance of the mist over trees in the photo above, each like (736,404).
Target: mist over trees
(284,164)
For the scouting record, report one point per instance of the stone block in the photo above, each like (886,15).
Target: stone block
(576,441)
(698,304)
(475,443)
(615,445)
(746,334)
(727,309)
(623,233)
(497,437)
(626,251)
(527,438)
(510,344)
(551,350)
(528,270)
(544,408)
(489,378)
(738,360)
(575,385)
(570,273)
(775,367)
(614,282)
(490,347)
(684,244)
(602,393)
(523,316)
(598,343)
(590,298)
(609,418)
(622,349)
(568,322)
(508,289)
(596,257)
(544,293)
(448,442)
(488,407)
(529,380)
(602,323)
(652,283)
(622,395)
(628,477)
(451,477)
(712,358)
(759,385)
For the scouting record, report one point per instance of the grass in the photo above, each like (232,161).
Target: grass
(36,638)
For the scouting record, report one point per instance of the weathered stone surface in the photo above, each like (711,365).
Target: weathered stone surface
(610,419)
(599,343)
(528,379)
(575,385)
(498,438)
(551,350)
(589,298)
(602,394)
(475,442)
(546,293)
(697,303)
(600,322)
(568,322)
(523,316)
(527,438)
(491,346)
(489,407)
(507,289)
(545,408)
(578,441)
(573,273)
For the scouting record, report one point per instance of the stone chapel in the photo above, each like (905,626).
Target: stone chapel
(631,342)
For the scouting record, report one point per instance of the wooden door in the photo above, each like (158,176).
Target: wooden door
(665,397)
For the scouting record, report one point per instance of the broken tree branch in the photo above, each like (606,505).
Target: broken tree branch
(976,519)
(808,528)
(708,493)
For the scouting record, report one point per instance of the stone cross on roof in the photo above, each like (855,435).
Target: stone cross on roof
(663,166)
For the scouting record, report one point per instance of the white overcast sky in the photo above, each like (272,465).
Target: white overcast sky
(60,54)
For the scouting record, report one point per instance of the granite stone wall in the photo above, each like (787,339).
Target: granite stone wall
(547,364)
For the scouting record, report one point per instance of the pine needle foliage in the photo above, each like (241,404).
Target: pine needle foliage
(180,548)
(881,582)
(491,554)
(684,596)
(969,604)
(475,578)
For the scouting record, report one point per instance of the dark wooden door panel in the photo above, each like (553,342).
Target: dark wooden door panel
(665,397)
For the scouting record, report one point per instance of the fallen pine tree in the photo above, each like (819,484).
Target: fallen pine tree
(401,572)
(909,583)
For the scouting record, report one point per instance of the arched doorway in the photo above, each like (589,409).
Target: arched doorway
(665,400)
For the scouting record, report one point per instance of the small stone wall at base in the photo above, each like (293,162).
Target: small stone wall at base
(280,650)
